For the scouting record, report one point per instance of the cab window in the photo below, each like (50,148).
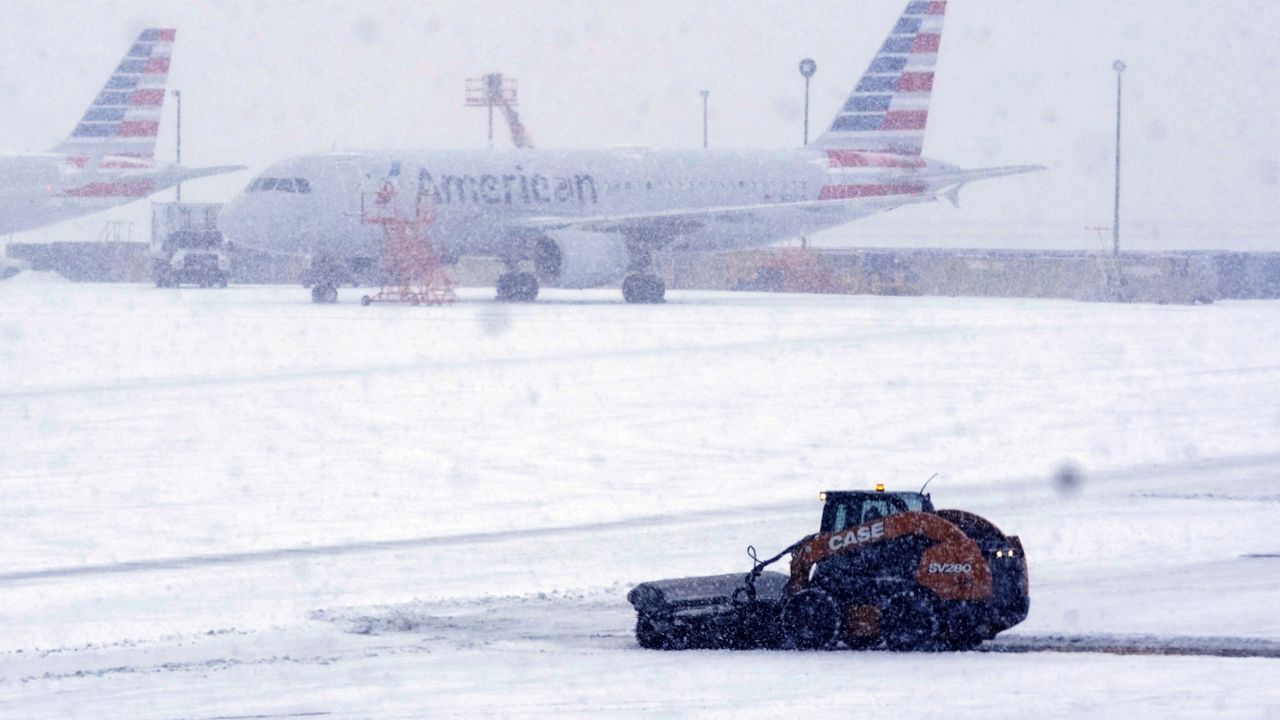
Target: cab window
(862,509)
(859,513)
(302,184)
(914,502)
(876,508)
(268,184)
(841,520)
(285,185)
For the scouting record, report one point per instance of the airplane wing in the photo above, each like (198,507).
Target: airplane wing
(953,181)
(678,221)
(690,219)
(174,174)
(140,182)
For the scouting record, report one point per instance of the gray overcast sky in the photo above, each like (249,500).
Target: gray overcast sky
(1020,81)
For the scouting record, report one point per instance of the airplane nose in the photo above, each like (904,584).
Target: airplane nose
(275,223)
(233,223)
(256,223)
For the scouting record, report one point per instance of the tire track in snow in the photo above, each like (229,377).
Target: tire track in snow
(844,340)
(692,517)
(1227,647)
(591,619)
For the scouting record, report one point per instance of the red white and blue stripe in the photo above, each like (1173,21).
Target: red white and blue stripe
(124,119)
(888,110)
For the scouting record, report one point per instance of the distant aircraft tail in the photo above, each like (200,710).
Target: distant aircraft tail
(124,118)
(889,108)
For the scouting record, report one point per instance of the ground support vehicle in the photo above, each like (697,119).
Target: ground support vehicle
(187,247)
(885,570)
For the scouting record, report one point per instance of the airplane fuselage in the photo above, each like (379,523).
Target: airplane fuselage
(488,202)
(591,217)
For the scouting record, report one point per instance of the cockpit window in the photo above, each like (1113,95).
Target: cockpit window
(265,184)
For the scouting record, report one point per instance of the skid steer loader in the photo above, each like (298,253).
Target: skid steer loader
(885,570)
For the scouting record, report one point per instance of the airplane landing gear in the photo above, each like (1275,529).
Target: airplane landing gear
(644,288)
(642,285)
(517,287)
(325,276)
(324,294)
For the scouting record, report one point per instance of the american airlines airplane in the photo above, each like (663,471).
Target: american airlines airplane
(586,218)
(109,158)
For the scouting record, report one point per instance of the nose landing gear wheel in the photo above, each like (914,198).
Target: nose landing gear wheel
(644,289)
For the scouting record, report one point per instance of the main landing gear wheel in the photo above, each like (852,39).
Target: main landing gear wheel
(646,289)
(811,619)
(517,287)
(324,294)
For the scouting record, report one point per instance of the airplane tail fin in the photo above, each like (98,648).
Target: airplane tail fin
(124,119)
(889,108)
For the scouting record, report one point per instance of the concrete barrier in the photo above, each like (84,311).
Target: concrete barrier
(87,261)
(1159,277)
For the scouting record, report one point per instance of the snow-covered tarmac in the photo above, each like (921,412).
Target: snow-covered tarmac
(238,504)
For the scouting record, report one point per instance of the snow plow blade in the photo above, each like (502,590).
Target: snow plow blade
(711,612)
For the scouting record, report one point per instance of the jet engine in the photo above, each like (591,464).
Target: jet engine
(578,259)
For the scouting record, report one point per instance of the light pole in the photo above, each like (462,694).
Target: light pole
(705,94)
(807,68)
(1119,67)
(177,94)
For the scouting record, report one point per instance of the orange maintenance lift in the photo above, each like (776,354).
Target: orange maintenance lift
(411,267)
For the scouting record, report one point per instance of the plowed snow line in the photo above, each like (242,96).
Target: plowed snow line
(841,340)
(1136,645)
(695,517)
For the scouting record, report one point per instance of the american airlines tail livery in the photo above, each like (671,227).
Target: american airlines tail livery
(109,158)
(586,218)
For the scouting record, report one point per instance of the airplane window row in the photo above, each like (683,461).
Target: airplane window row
(710,184)
(291,185)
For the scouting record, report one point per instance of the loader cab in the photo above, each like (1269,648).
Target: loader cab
(843,509)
